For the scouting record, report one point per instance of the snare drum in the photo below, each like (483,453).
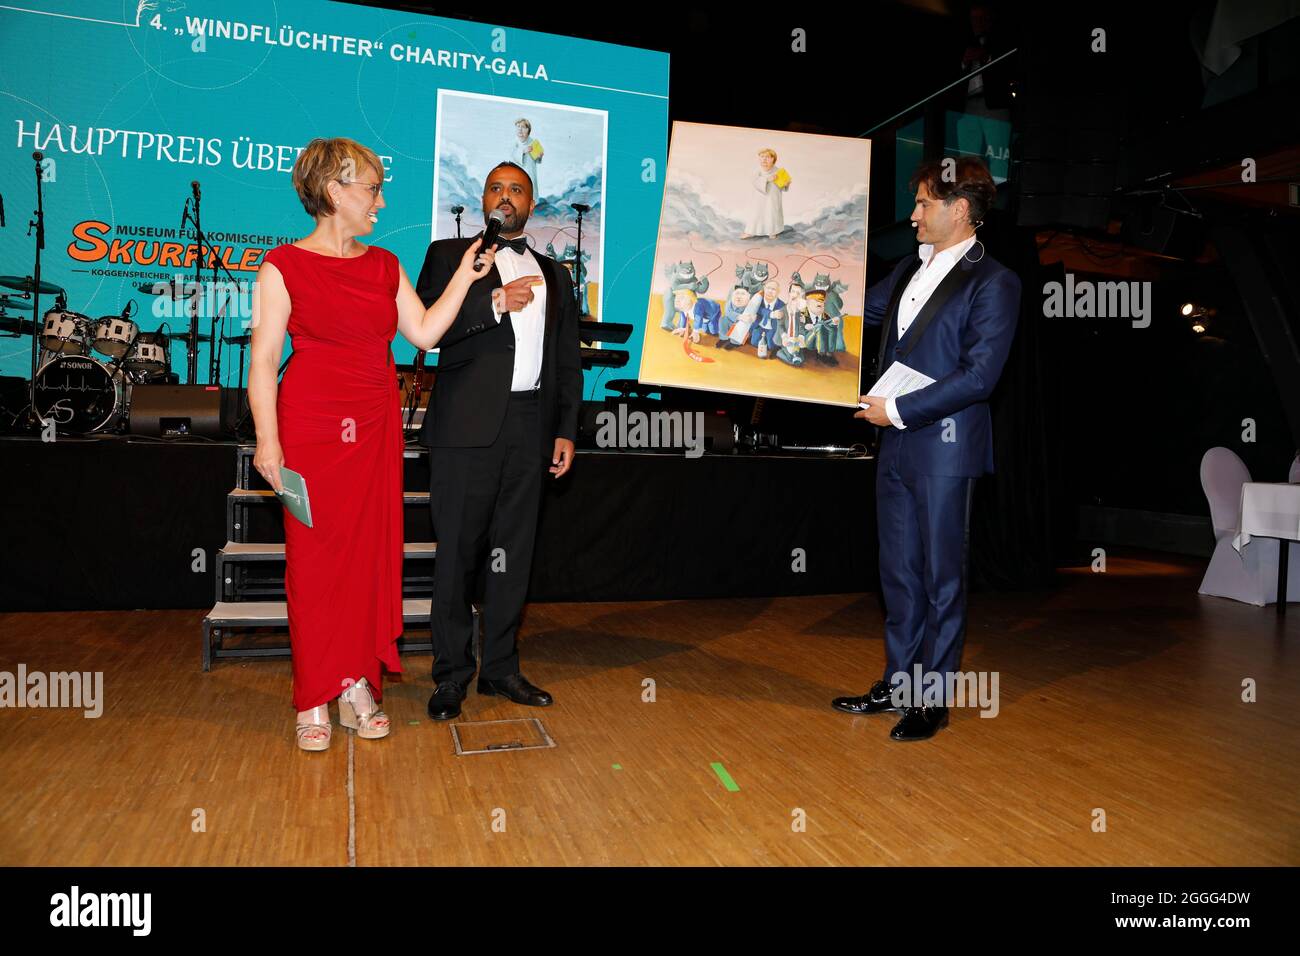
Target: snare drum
(79,394)
(150,355)
(114,334)
(68,333)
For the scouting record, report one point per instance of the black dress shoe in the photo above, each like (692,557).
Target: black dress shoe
(446,700)
(920,723)
(875,701)
(517,688)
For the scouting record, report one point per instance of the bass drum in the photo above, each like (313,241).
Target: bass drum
(79,395)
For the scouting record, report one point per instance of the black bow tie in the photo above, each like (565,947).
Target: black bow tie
(519,245)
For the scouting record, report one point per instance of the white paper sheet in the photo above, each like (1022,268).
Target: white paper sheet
(898,380)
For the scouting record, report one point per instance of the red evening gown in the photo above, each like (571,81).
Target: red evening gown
(340,428)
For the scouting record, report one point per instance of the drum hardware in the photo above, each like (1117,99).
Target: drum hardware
(243,340)
(33,283)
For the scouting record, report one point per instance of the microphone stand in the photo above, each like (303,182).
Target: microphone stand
(39,225)
(192,336)
(219,350)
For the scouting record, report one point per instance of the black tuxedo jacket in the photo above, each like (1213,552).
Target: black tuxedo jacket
(476,357)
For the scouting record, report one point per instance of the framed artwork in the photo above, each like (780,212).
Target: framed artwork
(760,265)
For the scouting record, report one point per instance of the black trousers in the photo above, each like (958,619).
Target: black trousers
(485,503)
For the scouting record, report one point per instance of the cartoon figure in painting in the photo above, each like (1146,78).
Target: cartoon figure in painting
(526,151)
(770,182)
(578,271)
(829,338)
(681,275)
(794,295)
(692,315)
(766,312)
(794,332)
(733,326)
(750,276)
(823,331)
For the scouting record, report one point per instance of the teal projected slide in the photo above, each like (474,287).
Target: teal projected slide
(131,100)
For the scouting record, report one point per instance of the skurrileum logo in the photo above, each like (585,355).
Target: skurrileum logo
(83,691)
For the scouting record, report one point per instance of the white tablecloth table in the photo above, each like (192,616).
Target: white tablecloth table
(1270,510)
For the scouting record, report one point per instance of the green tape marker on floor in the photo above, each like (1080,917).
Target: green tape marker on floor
(618,766)
(725,777)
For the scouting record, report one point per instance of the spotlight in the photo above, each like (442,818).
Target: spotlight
(1188,308)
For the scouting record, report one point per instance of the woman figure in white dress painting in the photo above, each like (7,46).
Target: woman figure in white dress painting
(770,181)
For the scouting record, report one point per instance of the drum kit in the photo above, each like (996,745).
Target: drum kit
(79,391)
(83,368)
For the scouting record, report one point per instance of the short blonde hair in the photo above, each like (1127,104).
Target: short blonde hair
(768,152)
(525,122)
(330,160)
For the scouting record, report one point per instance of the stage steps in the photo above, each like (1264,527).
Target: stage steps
(239,500)
(238,554)
(236,614)
(241,603)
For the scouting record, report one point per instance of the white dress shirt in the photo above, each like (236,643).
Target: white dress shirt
(919,289)
(529,322)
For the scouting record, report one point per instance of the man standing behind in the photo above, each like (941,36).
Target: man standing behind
(503,408)
(950,312)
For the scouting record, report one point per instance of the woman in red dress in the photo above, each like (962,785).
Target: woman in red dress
(335,419)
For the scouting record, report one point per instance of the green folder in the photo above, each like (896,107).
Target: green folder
(294,497)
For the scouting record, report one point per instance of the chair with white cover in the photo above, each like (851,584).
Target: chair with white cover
(1293,476)
(1251,574)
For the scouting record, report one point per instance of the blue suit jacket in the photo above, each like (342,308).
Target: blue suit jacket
(961,339)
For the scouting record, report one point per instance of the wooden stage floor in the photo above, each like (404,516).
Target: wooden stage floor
(1119,691)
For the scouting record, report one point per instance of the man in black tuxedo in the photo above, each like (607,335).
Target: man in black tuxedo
(503,409)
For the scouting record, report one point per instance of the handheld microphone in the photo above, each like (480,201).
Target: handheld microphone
(495,220)
(457,210)
(579,207)
(38,156)
(194,188)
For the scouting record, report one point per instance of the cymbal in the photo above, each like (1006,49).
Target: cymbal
(179,290)
(16,325)
(182,336)
(25,284)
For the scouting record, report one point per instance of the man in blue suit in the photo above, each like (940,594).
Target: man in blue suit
(949,312)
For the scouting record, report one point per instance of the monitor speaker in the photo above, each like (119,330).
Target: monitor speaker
(172,411)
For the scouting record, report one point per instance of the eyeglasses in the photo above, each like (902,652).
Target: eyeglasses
(375,188)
